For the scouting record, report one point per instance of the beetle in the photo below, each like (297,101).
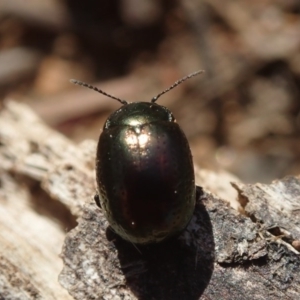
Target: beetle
(144,170)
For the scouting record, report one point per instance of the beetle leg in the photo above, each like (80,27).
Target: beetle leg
(97,200)
(199,192)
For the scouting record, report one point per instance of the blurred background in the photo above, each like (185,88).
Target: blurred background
(242,115)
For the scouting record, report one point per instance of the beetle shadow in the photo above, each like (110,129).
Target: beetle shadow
(179,268)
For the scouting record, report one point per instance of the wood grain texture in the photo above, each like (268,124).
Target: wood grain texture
(46,182)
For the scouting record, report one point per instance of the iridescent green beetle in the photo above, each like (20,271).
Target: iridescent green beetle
(144,171)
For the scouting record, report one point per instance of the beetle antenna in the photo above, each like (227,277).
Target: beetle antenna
(97,90)
(154,99)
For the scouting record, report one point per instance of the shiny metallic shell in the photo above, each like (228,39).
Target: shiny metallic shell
(145,173)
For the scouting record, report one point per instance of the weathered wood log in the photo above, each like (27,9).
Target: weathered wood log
(251,252)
